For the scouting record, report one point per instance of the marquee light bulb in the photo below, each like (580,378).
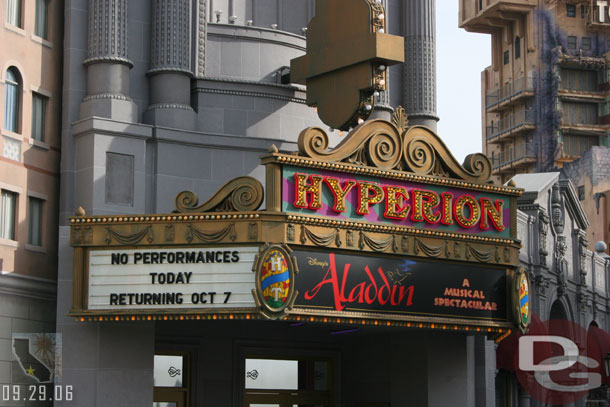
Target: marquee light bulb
(381,16)
(381,30)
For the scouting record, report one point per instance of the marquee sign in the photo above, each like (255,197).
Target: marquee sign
(185,278)
(333,283)
(385,228)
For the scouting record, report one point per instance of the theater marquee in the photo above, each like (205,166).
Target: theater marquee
(387,228)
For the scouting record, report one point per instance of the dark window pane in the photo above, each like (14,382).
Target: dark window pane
(571,10)
(12,99)
(40,24)
(35,222)
(7,215)
(13,12)
(506,57)
(39,104)
(517,47)
(571,42)
(586,43)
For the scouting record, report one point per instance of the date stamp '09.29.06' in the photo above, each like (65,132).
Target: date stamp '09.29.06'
(36,371)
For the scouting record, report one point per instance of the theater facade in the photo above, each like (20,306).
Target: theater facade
(370,277)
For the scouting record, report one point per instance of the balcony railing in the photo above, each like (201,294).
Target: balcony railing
(514,155)
(509,91)
(510,123)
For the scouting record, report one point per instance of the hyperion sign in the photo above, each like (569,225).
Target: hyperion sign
(184,278)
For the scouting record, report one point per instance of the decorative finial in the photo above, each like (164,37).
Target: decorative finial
(80,211)
(511,183)
(400,119)
(273,149)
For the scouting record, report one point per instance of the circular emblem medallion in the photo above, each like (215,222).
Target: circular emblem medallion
(274,280)
(524,298)
(521,299)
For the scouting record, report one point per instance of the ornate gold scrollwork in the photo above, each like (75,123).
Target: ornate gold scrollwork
(241,194)
(394,146)
(375,143)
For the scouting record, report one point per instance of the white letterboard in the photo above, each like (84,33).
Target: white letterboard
(187,278)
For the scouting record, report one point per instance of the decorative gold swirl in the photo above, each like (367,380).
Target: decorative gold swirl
(478,165)
(419,156)
(393,146)
(429,155)
(379,139)
(239,194)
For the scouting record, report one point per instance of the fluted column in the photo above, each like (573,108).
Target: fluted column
(419,70)
(170,65)
(383,108)
(107,62)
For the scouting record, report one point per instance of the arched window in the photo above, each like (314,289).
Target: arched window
(12,100)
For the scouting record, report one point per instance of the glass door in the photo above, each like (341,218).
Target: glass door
(171,379)
(303,382)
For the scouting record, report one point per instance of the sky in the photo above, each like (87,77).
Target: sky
(460,58)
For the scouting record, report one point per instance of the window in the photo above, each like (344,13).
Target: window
(171,379)
(303,381)
(571,42)
(517,47)
(12,100)
(480,4)
(578,79)
(586,43)
(571,10)
(583,12)
(506,57)
(579,113)
(39,106)
(40,24)
(7,215)
(35,222)
(581,192)
(13,12)
(578,145)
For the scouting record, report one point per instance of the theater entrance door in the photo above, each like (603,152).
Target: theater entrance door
(288,382)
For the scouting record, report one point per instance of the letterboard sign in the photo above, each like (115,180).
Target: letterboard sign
(177,278)
(339,283)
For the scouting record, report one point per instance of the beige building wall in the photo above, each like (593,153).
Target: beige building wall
(30,169)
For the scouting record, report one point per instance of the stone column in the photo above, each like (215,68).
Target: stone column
(107,63)
(419,70)
(170,65)
(383,108)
